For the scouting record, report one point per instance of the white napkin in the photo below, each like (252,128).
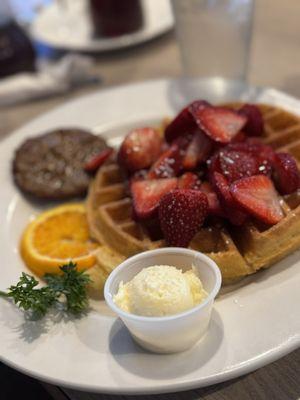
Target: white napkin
(50,79)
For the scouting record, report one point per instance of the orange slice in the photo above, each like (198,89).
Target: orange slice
(56,237)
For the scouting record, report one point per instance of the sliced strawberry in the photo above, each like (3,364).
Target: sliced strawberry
(198,150)
(214,205)
(228,204)
(255,123)
(140,175)
(189,181)
(265,165)
(196,107)
(220,124)
(258,196)
(184,122)
(253,146)
(168,164)
(95,162)
(233,164)
(286,173)
(240,137)
(181,213)
(140,148)
(262,152)
(237,164)
(213,165)
(147,194)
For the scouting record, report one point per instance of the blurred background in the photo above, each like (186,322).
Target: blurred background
(80,46)
(26,10)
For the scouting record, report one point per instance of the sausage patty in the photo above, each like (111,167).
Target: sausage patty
(50,166)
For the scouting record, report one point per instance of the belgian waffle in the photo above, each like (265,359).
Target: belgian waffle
(238,251)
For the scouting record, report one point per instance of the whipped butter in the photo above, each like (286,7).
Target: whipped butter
(160,290)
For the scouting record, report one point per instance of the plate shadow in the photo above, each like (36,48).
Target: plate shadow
(131,356)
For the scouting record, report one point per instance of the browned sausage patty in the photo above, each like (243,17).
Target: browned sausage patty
(50,166)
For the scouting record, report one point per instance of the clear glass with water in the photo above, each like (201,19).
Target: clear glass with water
(214,36)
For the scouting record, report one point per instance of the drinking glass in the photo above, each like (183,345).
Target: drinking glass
(214,36)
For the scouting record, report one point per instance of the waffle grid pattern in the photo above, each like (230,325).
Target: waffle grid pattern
(238,251)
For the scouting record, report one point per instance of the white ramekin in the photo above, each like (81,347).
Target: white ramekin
(177,332)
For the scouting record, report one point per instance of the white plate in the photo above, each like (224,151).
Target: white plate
(71,29)
(252,325)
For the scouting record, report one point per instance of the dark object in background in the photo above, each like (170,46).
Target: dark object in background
(116,17)
(15,385)
(16,51)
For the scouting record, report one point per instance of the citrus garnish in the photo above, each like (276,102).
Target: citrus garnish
(57,236)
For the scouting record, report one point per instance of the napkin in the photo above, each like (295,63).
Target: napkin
(51,78)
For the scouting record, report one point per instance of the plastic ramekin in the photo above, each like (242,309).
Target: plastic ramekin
(172,333)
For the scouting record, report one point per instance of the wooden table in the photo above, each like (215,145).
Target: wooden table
(275,61)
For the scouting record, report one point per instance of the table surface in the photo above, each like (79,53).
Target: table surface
(274,61)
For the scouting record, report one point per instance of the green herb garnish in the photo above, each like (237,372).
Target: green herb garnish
(67,291)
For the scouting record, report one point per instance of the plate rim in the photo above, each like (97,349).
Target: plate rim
(171,388)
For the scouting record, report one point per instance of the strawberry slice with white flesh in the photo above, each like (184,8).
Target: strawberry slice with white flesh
(257,195)
(147,194)
(219,123)
(168,164)
(184,122)
(189,181)
(214,206)
(230,207)
(98,160)
(198,150)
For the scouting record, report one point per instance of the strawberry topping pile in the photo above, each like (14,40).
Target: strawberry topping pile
(211,162)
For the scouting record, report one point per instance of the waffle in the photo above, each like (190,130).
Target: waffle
(238,251)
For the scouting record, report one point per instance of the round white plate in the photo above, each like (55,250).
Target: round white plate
(69,27)
(253,323)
